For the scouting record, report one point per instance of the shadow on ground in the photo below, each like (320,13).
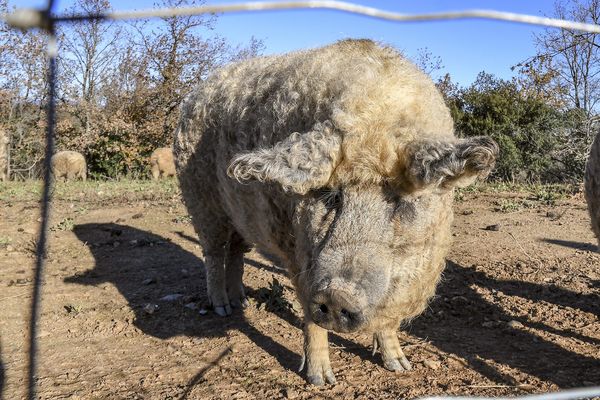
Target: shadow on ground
(1,375)
(571,244)
(455,324)
(144,267)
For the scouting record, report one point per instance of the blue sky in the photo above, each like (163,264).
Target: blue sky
(466,47)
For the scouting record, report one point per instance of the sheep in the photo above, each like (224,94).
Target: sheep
(68,165)
(339,162)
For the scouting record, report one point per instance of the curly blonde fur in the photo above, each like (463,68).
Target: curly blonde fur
(340,163)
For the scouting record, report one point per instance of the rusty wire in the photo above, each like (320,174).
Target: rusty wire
(51,51)
(44,19)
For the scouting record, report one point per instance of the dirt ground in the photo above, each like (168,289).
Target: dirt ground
(517,311)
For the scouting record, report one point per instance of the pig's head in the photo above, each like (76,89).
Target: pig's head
(362,248)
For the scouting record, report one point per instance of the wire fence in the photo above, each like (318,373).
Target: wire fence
(29,18)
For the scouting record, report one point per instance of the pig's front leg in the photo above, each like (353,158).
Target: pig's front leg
(316,355)
(391,352)
(215,284)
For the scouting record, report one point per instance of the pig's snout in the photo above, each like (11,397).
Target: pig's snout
(337,310)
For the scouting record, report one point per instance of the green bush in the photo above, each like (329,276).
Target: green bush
(532,135)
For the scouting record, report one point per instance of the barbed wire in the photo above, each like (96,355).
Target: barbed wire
(29,18)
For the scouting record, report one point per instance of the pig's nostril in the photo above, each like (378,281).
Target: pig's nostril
(323,308)
(349,316)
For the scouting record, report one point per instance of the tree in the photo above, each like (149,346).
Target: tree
(123,84)
(22,92)
(567,61)
(180,53)
(88,56)
(427,61)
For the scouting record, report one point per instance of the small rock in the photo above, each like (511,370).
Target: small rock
(548,280)
(432,364)
(20,229)
(171,297)
(203,311)
(9,248)
(489,324)
(137,216)
(552,214)
(515,324)
(116,243)
(185,272)
(191,306)
(296,306)
(495,227)
(526,386)
(290,393)
(467,212)
(133,242)
(148,281)
(150,308)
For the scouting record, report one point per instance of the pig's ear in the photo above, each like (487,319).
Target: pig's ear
(447,164)
(299,163)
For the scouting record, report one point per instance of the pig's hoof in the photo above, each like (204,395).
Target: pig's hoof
(391,353)
(245,303)
(241,303)
(397,364)
(319,379)
(223,311)
(318,373)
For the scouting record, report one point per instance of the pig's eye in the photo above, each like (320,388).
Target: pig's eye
(331,198)
(334,200)
(405,210)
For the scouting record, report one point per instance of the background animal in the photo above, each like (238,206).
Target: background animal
(4,155)
(68,165)
(340,162)
(161,163)
(592,186)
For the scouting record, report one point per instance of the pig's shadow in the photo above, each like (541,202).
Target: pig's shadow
(145,267)
(463,323)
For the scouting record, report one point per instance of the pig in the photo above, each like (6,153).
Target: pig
(4,155)
(592,187)
(339,162)
(161,162)
(68,165)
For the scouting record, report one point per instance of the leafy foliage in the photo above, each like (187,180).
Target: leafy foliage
(531,133)
(119,85)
